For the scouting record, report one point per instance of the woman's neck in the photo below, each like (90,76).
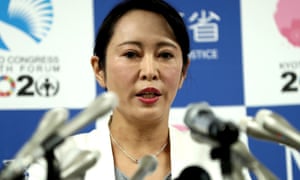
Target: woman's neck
(138,131)
(131,142)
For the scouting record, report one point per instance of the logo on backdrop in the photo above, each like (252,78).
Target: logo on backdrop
(36,48)
(290,76)
(203,26)
(28,20)
(47,86)
(205,29)
(290,154)
(7,85)
(32,77)
(44,86)
(287,18)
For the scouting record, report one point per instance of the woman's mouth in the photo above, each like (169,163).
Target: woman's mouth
(149,95)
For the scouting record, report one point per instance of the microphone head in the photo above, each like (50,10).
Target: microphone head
(51,120)
(198,117)
(253,128)
(279,127)
(243,123)
(193,173)
(99,107)
(148,163)
(110,95)
(202,121)
(266,117)
(261,115)
(80,164)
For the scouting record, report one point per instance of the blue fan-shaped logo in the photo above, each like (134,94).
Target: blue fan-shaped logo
(31,17)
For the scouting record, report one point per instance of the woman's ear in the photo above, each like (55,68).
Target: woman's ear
(98,71)
(184,73)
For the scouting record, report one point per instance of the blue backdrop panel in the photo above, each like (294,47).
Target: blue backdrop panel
(217,79)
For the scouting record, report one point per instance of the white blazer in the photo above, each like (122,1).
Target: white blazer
(184,152)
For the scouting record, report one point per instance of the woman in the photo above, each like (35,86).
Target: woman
(141,54)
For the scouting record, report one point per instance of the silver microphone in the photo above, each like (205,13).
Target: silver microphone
(79,164)
(279,127)
(254,129)
(147,165)
(51,120)
(241,157)
(99,107)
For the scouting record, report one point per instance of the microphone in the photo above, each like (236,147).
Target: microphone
(147,165)
(99,107)
(204,125)
(51,120)
(279,127)
(79,164)
(242,157)
(193,173)
(255,129)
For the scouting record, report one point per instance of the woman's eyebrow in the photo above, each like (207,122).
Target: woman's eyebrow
(159,44)
(130,43)
(165,43)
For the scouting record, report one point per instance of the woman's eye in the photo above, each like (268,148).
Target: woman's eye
(166,55)
(130,54)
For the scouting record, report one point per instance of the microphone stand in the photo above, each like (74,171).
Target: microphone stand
(53,170)
(226,137)
(223,153)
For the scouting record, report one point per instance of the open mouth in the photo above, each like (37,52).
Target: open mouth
(148,94)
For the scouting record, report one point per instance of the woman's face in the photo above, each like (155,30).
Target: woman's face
(143,66)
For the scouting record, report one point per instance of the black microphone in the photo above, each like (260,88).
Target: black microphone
(193,173)
(99,107)
(205,126)
(147,165)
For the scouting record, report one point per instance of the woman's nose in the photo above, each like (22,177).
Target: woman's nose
(149,69)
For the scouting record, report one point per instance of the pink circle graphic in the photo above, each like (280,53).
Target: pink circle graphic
(287,18)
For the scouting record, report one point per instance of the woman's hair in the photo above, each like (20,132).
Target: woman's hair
(161,7)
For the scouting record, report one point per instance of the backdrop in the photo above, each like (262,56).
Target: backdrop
(245,56)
